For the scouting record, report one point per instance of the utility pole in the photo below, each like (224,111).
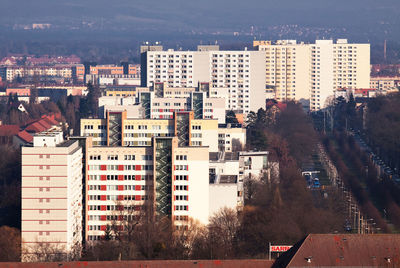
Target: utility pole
(269,251)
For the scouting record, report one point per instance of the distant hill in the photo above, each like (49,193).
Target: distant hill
(202,14)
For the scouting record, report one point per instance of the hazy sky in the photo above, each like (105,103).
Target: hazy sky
(204,14)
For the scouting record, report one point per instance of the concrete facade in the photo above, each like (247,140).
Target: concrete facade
(242,72)
(51,197)
(121,180)
(310,73)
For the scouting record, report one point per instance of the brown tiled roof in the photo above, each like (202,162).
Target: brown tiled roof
(148,264)
(35,127)
(345,250)
(25,136)
(50,121)
(44,123)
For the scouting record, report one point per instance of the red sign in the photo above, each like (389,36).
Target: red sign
(279,248)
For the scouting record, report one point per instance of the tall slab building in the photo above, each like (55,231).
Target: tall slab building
(311,73)
(242,72)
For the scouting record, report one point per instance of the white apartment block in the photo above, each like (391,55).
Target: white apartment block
(12,72)
(51,198)
(385,84)
(228,170)
(242,72)
(152,107)
(310,73)
(118,130)
(231,137)
(121,180)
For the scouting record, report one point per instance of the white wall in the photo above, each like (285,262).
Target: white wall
(199,191)
(222,195)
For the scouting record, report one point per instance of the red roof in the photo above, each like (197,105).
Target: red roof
(50,120)
(9,59)
(282,106)
(35,127)
(44,124)
(25,136)
(149,264)
(9,130)
(351,250)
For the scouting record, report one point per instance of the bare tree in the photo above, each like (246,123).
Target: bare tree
(44,252)
(251,186)
(223,228)
(10,244)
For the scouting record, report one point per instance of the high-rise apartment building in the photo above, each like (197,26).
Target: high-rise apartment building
(51,198)
(118,130)
(122,180)
(310,73)
(165,107)
(242,72)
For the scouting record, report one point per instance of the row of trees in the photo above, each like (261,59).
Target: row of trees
(383,126)
(358,172)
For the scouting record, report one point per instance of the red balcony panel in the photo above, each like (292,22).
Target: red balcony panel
(103,198)
(120,177)
(103,208)
(138,197)
(120,167)
(138,177)
(138,188)
(120,187)
(103,187)
(103,217)
(103,227)
(103,177)
(103,167)
(138,167)
(120,197)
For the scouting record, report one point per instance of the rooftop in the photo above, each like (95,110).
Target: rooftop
(345,250)
(149,264)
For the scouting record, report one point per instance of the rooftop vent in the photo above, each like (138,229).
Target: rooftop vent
(308,259)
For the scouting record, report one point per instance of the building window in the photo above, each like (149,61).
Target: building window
(129,157)
(181,157)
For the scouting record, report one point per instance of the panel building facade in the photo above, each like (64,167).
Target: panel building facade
(310,73)
(242,72)
(51,197)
